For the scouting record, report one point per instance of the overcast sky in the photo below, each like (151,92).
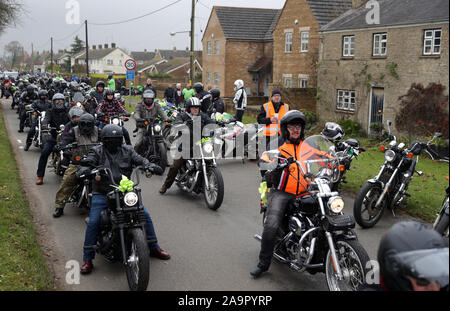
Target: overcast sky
(47,18)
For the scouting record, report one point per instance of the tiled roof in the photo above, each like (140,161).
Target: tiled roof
(143,56)
(247,23)
(393,13)
(326,10)
(171,54)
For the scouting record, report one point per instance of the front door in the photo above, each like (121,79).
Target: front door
(377,102)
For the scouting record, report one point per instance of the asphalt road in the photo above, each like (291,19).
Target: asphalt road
(211,250)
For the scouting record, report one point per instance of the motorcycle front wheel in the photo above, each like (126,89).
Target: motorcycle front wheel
(442,224)
(352,259)
(214,197)
(137,261)
(364,210)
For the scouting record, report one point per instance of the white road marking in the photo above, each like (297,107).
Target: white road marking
(19,141)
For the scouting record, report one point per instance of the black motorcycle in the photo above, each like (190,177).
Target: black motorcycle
(442,219)
(153,147)
(388,188)
(315,235)
(122,234)
(346,151)
(41,135)
(59,162)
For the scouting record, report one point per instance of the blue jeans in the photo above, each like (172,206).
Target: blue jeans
(92,231)
(45,153)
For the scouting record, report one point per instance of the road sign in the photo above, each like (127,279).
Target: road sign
(130,75)
(130,64)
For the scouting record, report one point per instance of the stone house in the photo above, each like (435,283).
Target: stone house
(364,68)
(238,44)
(296,40)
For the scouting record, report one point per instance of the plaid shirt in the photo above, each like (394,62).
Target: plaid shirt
(111,108)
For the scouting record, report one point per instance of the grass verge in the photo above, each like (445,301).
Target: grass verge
(22,265)
(427,191)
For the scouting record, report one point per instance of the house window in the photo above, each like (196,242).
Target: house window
(432,42)
(287,81)
(346,100)
(379,44)
(304,38)
(208,78)
(120,62)
(303,83)
(216,78)
(140,62)
(216,47)
(348,48)
(208,49)
(110,62)
(288,42)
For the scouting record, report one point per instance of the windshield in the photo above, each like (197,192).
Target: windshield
(318,158)
(78,97)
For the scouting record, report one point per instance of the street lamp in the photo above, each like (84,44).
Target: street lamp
(191,74)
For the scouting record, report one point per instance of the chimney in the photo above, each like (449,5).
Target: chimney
(187,48)
(113,45)
(94,47)
(358,3)
(174,48)
(106,46)
(99,46)
(145,50)
(60,51)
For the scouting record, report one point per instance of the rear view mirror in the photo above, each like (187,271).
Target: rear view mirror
(437,134)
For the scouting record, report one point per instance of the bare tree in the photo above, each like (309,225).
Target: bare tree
(9,13)
(15,51)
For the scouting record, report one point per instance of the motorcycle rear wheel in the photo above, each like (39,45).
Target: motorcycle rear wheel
(352,258)
(214,197)
(442,225)
(365,201)
(138,261)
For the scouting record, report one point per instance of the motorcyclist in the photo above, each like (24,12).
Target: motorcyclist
(120,159)
(75,114)
(84,133)
(147,109)
(240,99)
(98,96)
(112,107)
(54,118)
(286,183)
(41,104)
(412,257)
(217,102)
(27,98)
(203,96)
(150,86)
(187,118)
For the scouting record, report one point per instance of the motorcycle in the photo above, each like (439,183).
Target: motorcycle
(346,151)
(122,234)
(315,235)
(211,183)
(172,113)
(388,188)
(41,135)
(7,92)
(153,147)
(442,219)
(16,100)
(58,161)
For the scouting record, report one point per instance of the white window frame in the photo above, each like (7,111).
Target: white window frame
(216,78)
(110,62)
(208,48)
(346,100)
(348,46)
(379,44)
(287,81)
(287,44)
(208,78)
(304,41)
(216,47)
(429,41)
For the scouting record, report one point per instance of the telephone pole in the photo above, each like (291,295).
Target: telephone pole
(191,76)
(87,49)
(51,55)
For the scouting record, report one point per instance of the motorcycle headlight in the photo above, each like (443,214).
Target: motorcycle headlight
(130,199)
(208,147)
(336,204)
(174,114)
(116,121)
(389,155)
(157,128)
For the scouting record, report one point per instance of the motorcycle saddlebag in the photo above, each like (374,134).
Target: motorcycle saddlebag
(339,222)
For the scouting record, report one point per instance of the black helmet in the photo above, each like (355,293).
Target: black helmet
(292,117)
(110,77)
(148,97)
(99,83)
(412,249)
(30,89)
(112,137)
(198,87)
(86,124)
(42,93)
(333,132)
(192,102)
(215,93)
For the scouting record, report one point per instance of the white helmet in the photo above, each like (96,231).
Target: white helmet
(238,84)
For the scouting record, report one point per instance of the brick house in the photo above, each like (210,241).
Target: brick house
(238,44)
(296,40)
(364,68)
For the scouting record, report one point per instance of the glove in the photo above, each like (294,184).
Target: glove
(154,169)
(83,171)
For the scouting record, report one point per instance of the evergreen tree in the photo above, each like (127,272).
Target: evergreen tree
(77,46)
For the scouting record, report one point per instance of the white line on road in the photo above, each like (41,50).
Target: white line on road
(19,141)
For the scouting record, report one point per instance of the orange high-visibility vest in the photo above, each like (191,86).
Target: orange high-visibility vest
(274,128)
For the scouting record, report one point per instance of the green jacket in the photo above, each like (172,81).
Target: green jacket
(188,93)
(112,84)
